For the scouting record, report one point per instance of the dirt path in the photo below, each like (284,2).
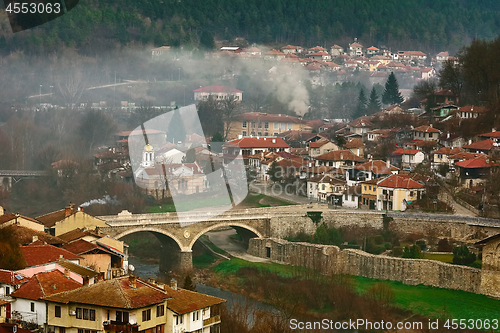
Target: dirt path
(221,240)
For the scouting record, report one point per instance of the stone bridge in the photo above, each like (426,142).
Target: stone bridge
(178,239)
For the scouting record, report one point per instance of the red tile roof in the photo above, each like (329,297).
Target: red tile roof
(185,301)
(487,144)
(372,48)
(355,45)
(476,163)
(448,150)
(11,277)
(78,233)
(412,53)
(81,246)
(396,181)
(405,151)
(289,47)
(495,134)
(45,284)
(318,143)
(50,219)
(10,216)
(266,117)
(274,52)
(42,254)
(377,167)
(218,89)
(320,53)
(25,235)
(258,143)
(361,122)
(427,129)
(340,155)
(467,156)
(354,143)
(317,48)
(472,108)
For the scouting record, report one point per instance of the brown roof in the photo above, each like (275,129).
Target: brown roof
(354,143)
(258,143)
(396,181)
(263,117)
(448,150)
(361,122)
(319,143)
(476,163)
(427,129)
(45,284)
(25,235)
(78,269)
(340,155)
(10,216)
(77,234)
(42,254)
(185,301)
(377,167)
(50,219)
(405,151)
(81,246)
(472,108)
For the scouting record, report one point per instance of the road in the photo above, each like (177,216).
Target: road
(221,240)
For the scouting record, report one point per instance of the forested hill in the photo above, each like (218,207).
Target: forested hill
(428,25)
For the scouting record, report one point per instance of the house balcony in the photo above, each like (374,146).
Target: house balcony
(115,326)
(211,321)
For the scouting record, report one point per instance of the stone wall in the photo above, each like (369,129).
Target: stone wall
(331,260)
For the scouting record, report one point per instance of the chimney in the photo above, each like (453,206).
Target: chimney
(67,211)
(132,281)
(61,256)
(86,281)
(341,155)
(1,211)
(430,125)
(66,272)
(493,129)
(34,239)
(173,284)
(80,209)
(388,163)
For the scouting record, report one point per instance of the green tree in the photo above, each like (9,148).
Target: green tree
(176,131)
(361,106)
(207,41)
(373,103)
(412,252)
(275,173)
(188,284)
(391,93)
(451,77)
(462,255)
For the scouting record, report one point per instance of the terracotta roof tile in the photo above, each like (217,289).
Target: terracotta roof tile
(487,144)
(11,277)
(24,236)
(354,143)
(340,155)
(42,254)
(476,163)
(81,246)
(405,151)
(448,150)
(10,216)
(45,284)
(258,143)
(378,167)
(495,134)
(427,129)
(77,234)
(396,181)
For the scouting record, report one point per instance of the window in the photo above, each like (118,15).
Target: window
(182,318)
(370,187)
(365,187)
(259,133)
(275,125)
(160,310)
(7,291)
(290,125)
(57,311)
(411,193)
(146,315)
(32,307)
(253,124)
(244,133)
(260,125)
(79,313)
(85,314)
(80,330)
(92,314)
(196,315)
(244,124)
(62,329)
(266,125)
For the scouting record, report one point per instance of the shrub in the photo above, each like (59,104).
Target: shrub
(378,239)
(412,252)
(421,244)
(397,251)
(444,245)
(387,245)
(462,255)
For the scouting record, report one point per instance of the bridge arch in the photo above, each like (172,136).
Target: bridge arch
(224,224)
(153,229)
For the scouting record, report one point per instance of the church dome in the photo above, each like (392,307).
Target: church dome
(148,147)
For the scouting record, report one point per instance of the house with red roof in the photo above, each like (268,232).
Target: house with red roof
(316,49)
(407,158)
(372,50)
(396,192)
(129,304)
(355,49)
(336,50)
(10,281)
(356,146)
(474,171)
(42,254)
(29,298)
(493,135)
(481,147)
(320,56)
(218,93)
(360,126)
(369,170)
(471,111)
(274,55)
(338,159)
(250,146)
(289,49)
(426,133)
(321,147)
(441,156)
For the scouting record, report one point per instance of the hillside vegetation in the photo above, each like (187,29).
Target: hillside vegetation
(430,25)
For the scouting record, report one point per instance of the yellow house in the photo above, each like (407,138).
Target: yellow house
(68,219)
(369,193)
(321,147)
(263,124)
(396,191)
(130,305)
(23,221)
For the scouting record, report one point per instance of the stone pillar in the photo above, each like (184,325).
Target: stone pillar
(186,261)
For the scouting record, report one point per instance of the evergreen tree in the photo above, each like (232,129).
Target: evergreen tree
(275,173)
(374,103)
(188,284)
(361,107)
(462,255)
(391,93)
(176,131)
